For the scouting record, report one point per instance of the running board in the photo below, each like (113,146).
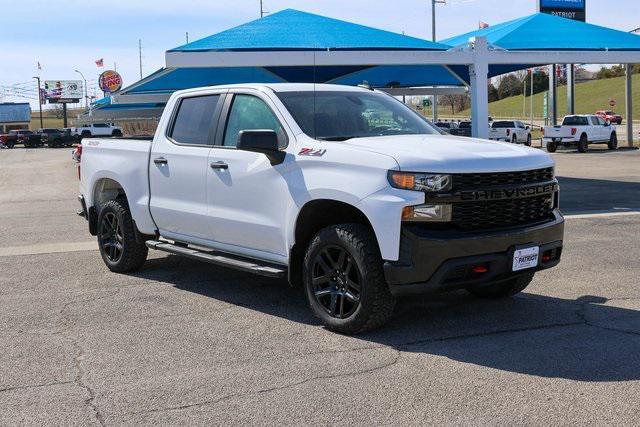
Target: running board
(218,258)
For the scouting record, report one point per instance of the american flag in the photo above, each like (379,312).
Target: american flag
(482,25)
(100,62)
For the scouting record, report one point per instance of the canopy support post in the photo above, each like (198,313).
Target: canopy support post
(553,95)
(479,73)
(571,89)
(629,102)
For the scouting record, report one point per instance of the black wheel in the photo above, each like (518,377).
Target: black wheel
(514,139)
(117,240)
(344,281)
(552,146)
(502,289)
(583,144)
(10,145)
(613,141)
(116,133)
(528,143)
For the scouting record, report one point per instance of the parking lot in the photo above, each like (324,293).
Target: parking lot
(182,342)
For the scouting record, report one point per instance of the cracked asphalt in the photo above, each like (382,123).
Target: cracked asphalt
(187,343)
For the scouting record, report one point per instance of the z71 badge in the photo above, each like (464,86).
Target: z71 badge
(312,152)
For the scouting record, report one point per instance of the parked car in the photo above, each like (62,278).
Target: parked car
(26,137)
(510,131)
(99,129)
(446,126)
(57,138)
(295,180)
(463,129)
(9,139)
(610,116)
(580,131)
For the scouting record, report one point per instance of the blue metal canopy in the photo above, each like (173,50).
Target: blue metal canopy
(11,112)
(292,29)
(542,31)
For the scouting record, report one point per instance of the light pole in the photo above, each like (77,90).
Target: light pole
(434,107)
(86,105)
(40,101)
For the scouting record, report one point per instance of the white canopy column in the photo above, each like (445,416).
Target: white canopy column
(479,73)
(629,103)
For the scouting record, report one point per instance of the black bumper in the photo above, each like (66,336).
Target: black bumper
(438,260)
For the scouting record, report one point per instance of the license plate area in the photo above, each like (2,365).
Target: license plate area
(525,257)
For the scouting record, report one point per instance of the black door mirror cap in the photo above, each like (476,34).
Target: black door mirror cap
(263,141)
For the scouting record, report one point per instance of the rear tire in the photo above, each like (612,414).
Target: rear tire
(117,238)
(502,289)
(613,141)
(344,281)
(552,146)
(514,139)
(583,144)
(116,133)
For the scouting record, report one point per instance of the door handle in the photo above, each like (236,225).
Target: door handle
(219,165)
(160,161)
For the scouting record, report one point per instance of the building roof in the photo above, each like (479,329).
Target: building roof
(542,31)
(305,31)
(11,112)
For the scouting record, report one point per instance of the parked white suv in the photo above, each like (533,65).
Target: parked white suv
(99,129)
(343,190)
(580,131)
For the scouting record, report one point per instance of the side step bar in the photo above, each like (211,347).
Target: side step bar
(218,258)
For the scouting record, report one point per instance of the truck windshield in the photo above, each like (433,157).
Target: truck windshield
(338,116)
(575,121)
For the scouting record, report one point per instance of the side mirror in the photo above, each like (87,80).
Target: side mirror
(263,141)
(528,128)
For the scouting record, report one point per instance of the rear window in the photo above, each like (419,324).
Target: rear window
(465,125)
(575,121)
(193,120)
(503,124)
(100,125)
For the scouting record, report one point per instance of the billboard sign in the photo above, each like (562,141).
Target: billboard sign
(63,91)
(571,9)
(110,81)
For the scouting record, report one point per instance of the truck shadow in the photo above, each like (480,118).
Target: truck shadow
(583,195)
(586,339)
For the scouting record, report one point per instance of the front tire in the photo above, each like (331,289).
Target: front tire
(344,281)
(613,141)
(528,143)
(583,144)
(503,289)
(117,238)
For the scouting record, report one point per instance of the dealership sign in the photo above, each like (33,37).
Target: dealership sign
(110,81)
(571,9)
(62,91)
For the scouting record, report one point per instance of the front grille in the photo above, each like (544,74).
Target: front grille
(472,216)
(475,181)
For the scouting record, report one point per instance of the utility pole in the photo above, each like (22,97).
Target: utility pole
(434,107)
(86,96)
(187,36)
(261,10)
(140,55)
(39,101)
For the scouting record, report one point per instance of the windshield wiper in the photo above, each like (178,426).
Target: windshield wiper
(338,138)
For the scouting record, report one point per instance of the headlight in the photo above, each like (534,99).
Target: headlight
(419,181)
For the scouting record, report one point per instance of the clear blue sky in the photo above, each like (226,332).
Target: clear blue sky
(65,35)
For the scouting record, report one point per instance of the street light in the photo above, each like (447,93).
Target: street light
(39,101)
(86,104)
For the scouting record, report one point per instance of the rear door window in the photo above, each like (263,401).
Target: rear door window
(193,121)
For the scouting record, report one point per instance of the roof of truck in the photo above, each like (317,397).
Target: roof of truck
(283,87)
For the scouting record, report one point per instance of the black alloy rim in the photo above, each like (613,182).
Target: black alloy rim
(336,282)
(111,238)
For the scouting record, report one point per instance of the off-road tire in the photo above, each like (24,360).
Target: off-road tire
(514,139)
(502,289)
(116,133)
(583,144)
(613,141)
(552,146)
(133,253)
(528,143)
(376,303)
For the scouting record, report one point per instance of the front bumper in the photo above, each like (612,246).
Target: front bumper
(439,260)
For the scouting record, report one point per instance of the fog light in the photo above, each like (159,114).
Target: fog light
(427,213)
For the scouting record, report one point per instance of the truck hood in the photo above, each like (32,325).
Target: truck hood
(451,154)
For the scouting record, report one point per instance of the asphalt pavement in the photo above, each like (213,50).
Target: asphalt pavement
(182,342)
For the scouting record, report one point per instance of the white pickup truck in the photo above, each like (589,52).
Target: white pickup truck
(580,131)
(343,190)
(512,131)
(99,129)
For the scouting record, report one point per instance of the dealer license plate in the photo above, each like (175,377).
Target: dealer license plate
(525,258)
